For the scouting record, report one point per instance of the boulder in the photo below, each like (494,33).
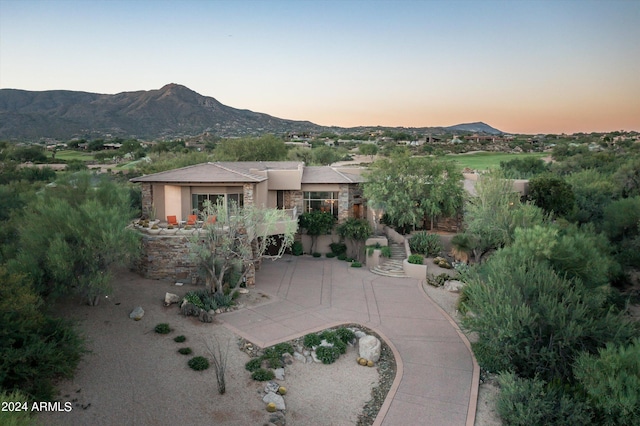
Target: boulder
(299,357)
(205,316)
(137,313)
(170,298)
(276,399)
(287,358)
(279,373)
(454,286)
(369,348)
(271,386)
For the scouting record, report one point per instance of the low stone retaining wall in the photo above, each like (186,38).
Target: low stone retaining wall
(167,257)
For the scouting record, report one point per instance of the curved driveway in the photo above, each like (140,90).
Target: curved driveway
(437,377)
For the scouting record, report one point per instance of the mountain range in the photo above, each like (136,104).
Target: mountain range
(171,112)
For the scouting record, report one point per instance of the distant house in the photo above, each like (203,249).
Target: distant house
(282,185)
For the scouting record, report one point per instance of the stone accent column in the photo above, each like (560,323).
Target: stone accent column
(345,202)
(147,197)
(248,189)
(294,199)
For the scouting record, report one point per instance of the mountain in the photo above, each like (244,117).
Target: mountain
(174,111)
(478,127)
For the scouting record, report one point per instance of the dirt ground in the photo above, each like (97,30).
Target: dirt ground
(134,376)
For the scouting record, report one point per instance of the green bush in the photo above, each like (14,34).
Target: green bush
(345,334)
(15,418)
(253,364)
(327,354)
(273,361)
(193,298)
(332,336)
(297,249)
(262,375)
(416,259)
(199,363)
(330,255)
(385,251)
(338,248)
(179,339)
(342,256)
(316,254)
(525,402)
(348,259)
(311,340)
(208,300)
(425,243)
(611,381)
(279,350)
(356,265)
(185,351)
(163,328)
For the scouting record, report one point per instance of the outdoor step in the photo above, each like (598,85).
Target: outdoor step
(394,274)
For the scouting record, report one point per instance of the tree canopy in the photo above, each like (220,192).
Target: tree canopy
(413,189)
(264,148)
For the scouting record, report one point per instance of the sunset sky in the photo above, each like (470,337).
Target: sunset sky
(520,66)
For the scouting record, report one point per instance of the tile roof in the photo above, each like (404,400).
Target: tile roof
(326,174)
(202,173)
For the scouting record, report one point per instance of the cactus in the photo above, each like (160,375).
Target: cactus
(271,407)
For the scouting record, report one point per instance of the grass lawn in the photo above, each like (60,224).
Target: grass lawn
(73,155)
(489,160)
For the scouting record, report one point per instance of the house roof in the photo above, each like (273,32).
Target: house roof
(325,174)
(245,172)
(202,173)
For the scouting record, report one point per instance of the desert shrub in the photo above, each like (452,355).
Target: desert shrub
(332,337)
(356,265)
(345,334)
(327,354)
(338,248)
(193,298)
(438,280)
(425,243)
(262,375)
(162,328)
(281,349)
(545,320)
(185,351)
(416,259)
(297,249)
(273,361)
(385,251)
(179,339)
(15,418)
(253,364)
(611,381)
(316,254)
(223,300)
(524,402)
(349,259)
(342,256)
(207,299)
(199,363)
(330,255)
(311,340)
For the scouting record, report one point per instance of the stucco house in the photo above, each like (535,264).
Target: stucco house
(286,185)
(271,184)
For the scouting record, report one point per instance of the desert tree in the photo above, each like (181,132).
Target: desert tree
(316,223)
(356,230)
(74,234)
(414,189)
(237,240)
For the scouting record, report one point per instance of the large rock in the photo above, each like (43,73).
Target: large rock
(170,298)
(454,286)
(279,373)
(276,399)
(369,348)
(137,313)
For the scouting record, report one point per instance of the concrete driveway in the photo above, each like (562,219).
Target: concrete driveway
(437,377)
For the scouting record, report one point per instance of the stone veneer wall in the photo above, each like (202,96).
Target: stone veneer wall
(168,257)
(147,197)
(294,199)
(248,194)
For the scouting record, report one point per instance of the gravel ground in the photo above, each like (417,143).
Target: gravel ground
(134,376)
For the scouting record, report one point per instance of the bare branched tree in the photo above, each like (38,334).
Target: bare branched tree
(219,362)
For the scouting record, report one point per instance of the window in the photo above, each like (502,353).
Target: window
(322,201)
(198,200)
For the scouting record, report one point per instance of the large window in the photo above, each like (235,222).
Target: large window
(321,201)
(198,200)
